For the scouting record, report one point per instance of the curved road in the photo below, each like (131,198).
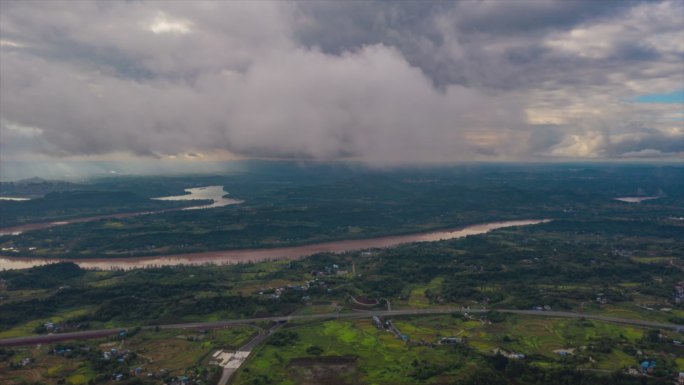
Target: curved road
(380,313)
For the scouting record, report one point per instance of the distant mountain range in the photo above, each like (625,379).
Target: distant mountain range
(35,187)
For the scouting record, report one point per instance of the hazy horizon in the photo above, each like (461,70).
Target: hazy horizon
(78,171)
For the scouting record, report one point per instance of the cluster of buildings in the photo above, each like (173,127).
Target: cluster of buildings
(277,292)
(333,269)
(183,380)
(565,352)
(177,380)
(139,371)
(601,299)
(451,340)
(13,249)
(647,367)
(623,253)
(389,326)
(65,352)
(116,354)
(164,374)
(679,292)
(25,361)
(509,355)
(51,327)
(134,372)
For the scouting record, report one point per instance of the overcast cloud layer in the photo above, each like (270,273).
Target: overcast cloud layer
(381,82)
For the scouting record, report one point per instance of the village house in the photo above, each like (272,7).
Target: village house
(679,292)
(450,340)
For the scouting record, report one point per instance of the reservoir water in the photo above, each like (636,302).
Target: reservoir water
(17,199)
(634,199)
(215,193)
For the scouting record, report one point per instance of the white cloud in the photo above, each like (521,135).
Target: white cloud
(9,43)
(588,145)
(162,23)
(379,82)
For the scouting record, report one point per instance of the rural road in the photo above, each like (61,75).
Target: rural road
(51,338)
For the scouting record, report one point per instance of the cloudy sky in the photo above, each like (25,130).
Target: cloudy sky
(387,82)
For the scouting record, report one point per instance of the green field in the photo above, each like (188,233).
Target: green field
(373,356)
(29,327)
(418,296)
(176,352)
(379,357)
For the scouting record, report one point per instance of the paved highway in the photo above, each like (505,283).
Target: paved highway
(228,372)
(51,338)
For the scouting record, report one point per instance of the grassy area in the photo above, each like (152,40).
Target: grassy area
(177,352)
(355,351)
(528,335)
(680,363)
(45,369)
(630,311)
(232,338)
(418,297)
(29,327)
(652,259)
(379,357)
(375,356)
(81,376)
(617,360)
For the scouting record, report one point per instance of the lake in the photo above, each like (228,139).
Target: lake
(14,199)
(227,257)
(215,193)
(634,199)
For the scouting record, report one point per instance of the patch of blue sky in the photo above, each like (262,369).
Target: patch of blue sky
(677,116)
(668,98)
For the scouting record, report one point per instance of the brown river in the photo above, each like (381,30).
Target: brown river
(255,255)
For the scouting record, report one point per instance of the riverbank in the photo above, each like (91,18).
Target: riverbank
(256,255)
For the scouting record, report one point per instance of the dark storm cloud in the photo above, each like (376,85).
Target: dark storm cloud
(524,17)
(426,32)
(383,82)
(645,139)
